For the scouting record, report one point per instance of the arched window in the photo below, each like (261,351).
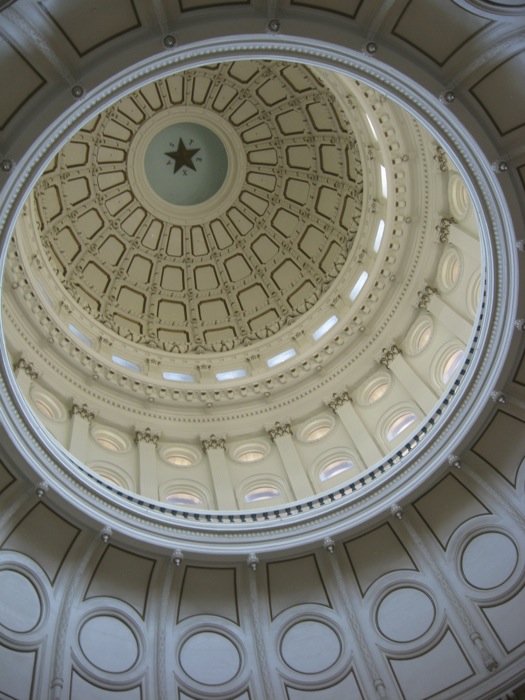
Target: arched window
(399,424)
(334,468)
(261,493)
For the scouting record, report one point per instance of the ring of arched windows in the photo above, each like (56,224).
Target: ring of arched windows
(180,455)
(180,494)
(336,466)
(374,389)
(397,424)
(458,197)
(473,294)
(250,452)
(316,429)
(446,364)
(420,335)
(47,406)
(112,474)
(450,269)
(263,490)
(110,440)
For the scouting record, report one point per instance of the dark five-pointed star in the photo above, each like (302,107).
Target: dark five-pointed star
(183,156)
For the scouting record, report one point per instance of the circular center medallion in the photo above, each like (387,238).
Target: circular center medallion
(186,164)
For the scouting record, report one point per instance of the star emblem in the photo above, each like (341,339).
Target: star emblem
(183,157)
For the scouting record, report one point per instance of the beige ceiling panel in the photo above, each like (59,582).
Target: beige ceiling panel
(172,279)
(312,242)
(77,190)
(213,311)
(175,85)
(131,300)
(200,89)
(446,507)
(133,221)
(6,478)
(223,98)
(349,218)
(241,222)
(327,261)
(171,312)
(139,269)
(347,688)
(501,87)
(327,202)
(299,157)
(172,337)
(285,222)
(287,274)
(206,591)
(110,155)
(253,298)
(348,8)
(321,117)
(221,235)
(43,536)
(112,250)
(330,159)
(237,268)
(110,179)
(199,244)
(256,204)
(130,109)
(174,245)
(115,130)
(264,248)
(90,222)
(51,203)
(298,77)
(68,244)
(150,93)
(151,238)
(124,576)
(423,675)
(75,154)
(502,445)
(301,294)
(389,555)
(243,71)
(291,123)
(127,325)
(260,132)
(86,299)
(15,93)
(263,320)
(262,180)
(448,30)
(297,191)
(295,582)
(205,278)
(272,92)
(216,335)
(95,277)
(88,25)
(119,202)
(245,111)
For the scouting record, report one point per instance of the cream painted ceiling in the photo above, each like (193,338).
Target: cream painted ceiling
(207,278)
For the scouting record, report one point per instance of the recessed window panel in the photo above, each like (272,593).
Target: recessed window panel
(451,366)
(281,357)
(181,498)
(80,335)
(325,327)
(231,374)
(125,363)
(358,286)
(384,182)
(250,456)
(400,424)
(262,493)
(318,433)
(335,468)
(372,129)
(379,235)
(178,377)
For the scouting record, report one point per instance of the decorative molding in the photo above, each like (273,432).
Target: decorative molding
(443,228)
(498,397)
(213,443)
(441,159)
(279,430)
(389,354)
(252,561)
(82,411)
(147,436)
(397,511)
(339,400)
(425,296)
(26,367)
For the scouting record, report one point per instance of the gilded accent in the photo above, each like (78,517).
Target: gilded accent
(82,411)
(27,367)
(443,228)
(147,436)
(425,296)
(339,400)
(279,430)
(389,354)
(213,443)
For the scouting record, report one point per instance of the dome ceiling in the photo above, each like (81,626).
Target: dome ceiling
(206,210)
